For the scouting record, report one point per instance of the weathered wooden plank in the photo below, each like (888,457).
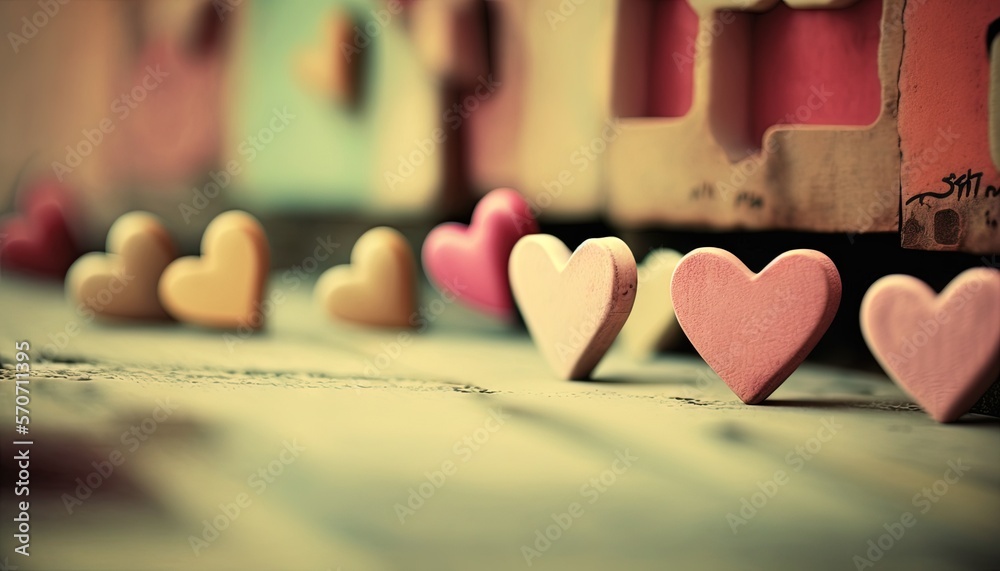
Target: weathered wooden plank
(854,454)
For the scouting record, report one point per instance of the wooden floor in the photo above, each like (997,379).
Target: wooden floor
(652,465)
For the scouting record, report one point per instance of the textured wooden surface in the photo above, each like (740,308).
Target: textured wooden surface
(545,129)
(371,427)
(772,138)
(950,183)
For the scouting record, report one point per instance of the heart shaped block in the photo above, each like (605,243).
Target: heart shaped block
(37,240)
(378,288)
(476,256)
(944,350)
(652,325)
(754,330)
(574,304)
(223,288)
(123,283)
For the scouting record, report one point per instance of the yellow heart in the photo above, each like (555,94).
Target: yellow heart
(224,287)
(378,287)
(122,283)
(652,325)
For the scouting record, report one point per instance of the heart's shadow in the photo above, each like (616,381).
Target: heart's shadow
(889,406)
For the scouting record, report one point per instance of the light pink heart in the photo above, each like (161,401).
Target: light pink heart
(470,261)
(754,330)
(944,350)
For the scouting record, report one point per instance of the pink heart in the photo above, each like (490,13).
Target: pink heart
(754,330)
(944,350)
(470,261)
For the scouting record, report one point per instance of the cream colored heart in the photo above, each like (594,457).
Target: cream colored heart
(652,325)
(224,287)
(122,284)
(574,304)
(378,287)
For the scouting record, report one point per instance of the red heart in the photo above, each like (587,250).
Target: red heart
(37,239)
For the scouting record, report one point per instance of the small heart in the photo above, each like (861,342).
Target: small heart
(754,330)
(123,282)
(652,325)
(477,255)
(378,287)
(334,68)
(37,239)
(574,304)
(225,286)
(944,350)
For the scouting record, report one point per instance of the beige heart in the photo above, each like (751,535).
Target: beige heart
(122,284)
(574,304)
(378,287)
(225,286)
(334,67)
(652,325)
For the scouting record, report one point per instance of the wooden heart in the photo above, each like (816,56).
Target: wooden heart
(378,287)
(754,330)
(652,325)
(334,68)
(476,256)
(944,350)
(37,239)
(123,283)
(574,304)
(224,287)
